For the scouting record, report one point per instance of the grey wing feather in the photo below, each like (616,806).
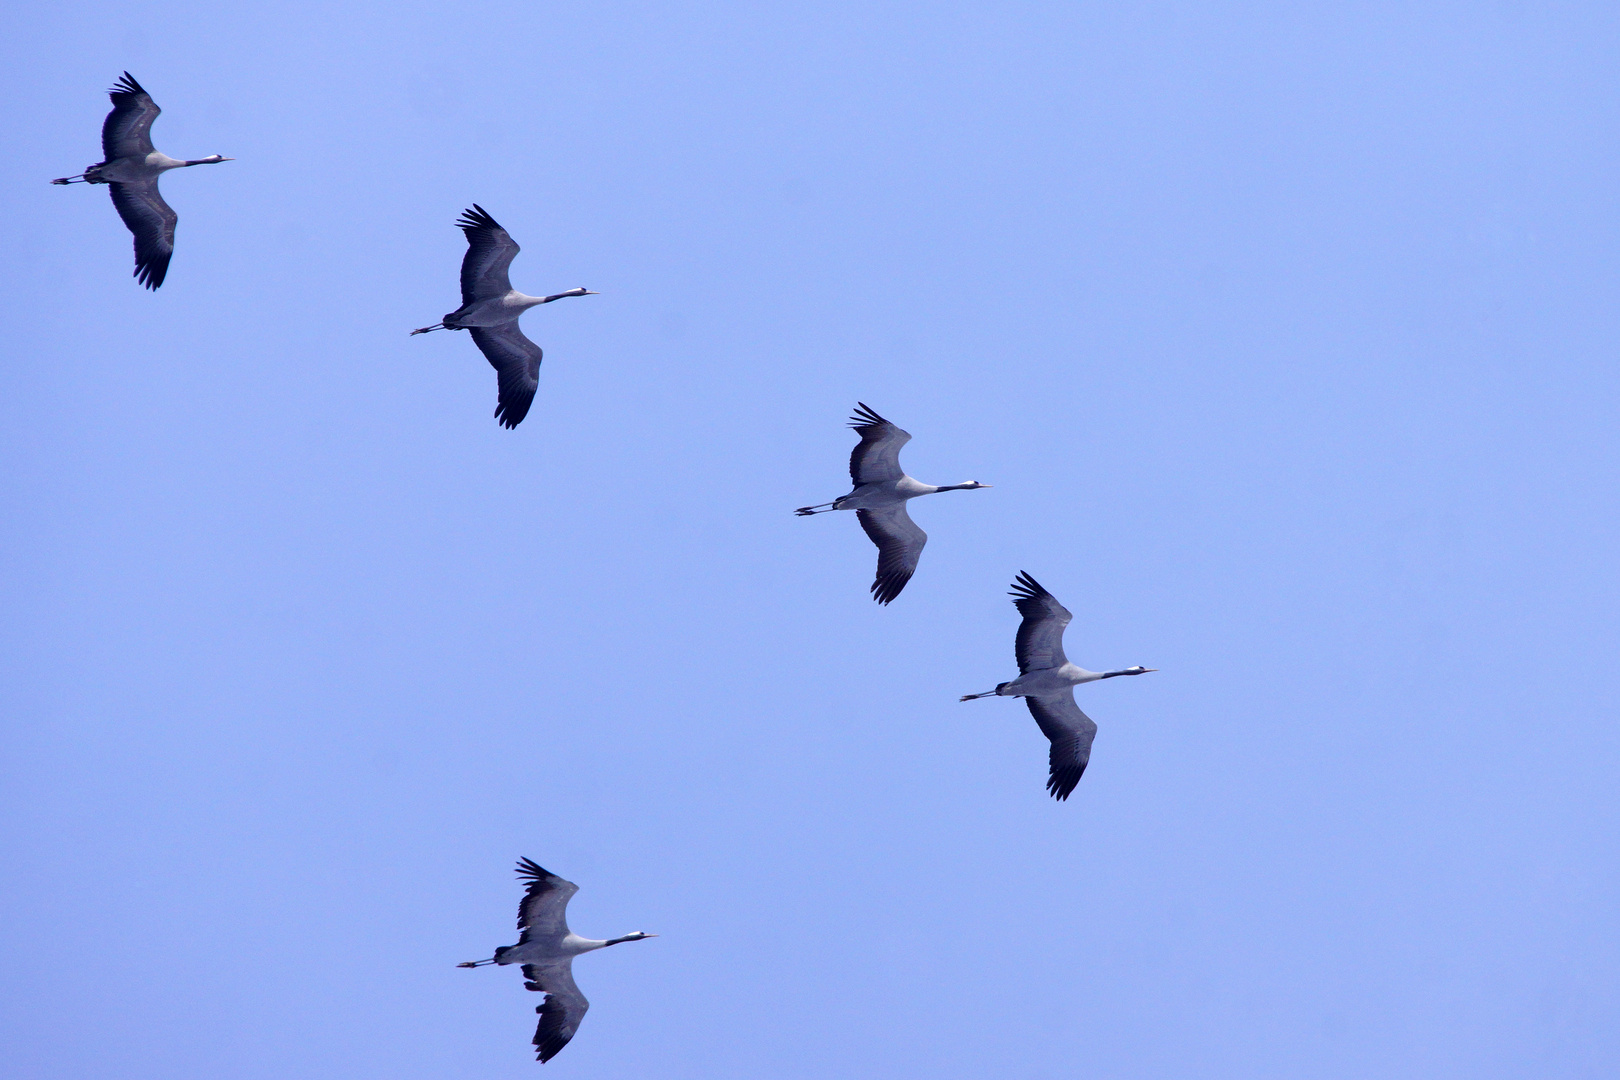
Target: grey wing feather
(562,1010)
(544,910)
(516,361)
(152,221)
(490,251)
(876,458)
(1040,635)
(127,130)
(1071,732)
(899,542)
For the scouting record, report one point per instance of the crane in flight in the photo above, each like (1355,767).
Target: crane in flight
(130,168)
(882,489)
(490,309)
(546,949)
(1046,681)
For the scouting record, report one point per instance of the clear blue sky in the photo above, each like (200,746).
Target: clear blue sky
(1286,334)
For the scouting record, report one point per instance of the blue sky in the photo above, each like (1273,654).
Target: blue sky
(1286,334)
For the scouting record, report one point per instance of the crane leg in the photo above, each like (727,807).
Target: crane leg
(806,511)
(71,180)
(429,329)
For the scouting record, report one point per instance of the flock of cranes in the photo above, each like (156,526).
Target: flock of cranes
(490,310)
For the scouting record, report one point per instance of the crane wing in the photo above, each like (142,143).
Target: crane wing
(1040,635)
(544,910)
(516,361)
(127,130)
(152,221)
(562,1010)
(1071,732)
(490,251)
(876,457)
(899,542)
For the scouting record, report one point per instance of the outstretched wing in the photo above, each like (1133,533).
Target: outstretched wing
(544,910)
(562,1010)
(899,542)
(516,361)
(127,130)
(1071,732)
(1040,635)
(876,457)
(490,251)
(152,222)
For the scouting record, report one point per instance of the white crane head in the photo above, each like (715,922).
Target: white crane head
(969,485)
(1137,669)
(636,936)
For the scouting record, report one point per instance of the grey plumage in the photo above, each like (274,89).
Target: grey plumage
(881,490)
(545,950)
(490,309)
(130,166)
(1046,681)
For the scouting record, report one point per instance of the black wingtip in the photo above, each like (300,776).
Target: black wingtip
(865,416)
(126,85)
(476,218)
(1025,587)
(152,273)
(1062,782)
(511,414)
(529,870)
(888,586)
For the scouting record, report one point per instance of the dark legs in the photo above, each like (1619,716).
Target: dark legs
(424,330)
(806,511)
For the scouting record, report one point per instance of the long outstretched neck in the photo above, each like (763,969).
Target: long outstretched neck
(562,295)
(211,159)
(1135,670)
